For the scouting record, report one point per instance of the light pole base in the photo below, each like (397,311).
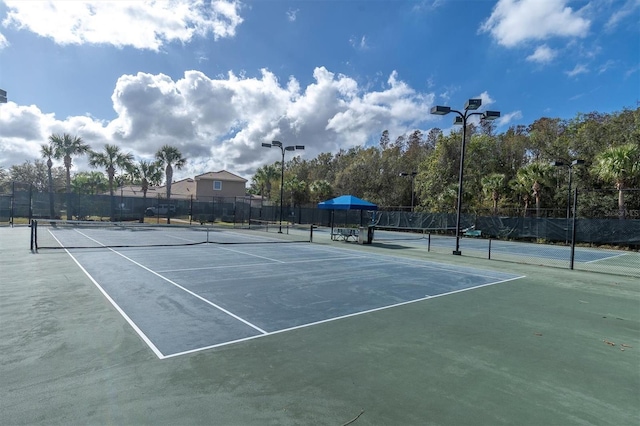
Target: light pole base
(457,253)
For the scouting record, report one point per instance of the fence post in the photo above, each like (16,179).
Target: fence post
(30,202)
(235,210)
(13,201)
(573,230)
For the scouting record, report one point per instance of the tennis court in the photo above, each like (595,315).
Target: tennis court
(500,247)
(181,299)
(323,333)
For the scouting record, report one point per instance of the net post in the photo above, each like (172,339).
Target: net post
(311,233)
(429,242)
(489,256)
(34,233)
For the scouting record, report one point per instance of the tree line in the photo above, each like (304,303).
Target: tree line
(119,168)
(525,170)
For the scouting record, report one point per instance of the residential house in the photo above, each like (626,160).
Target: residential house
(202,188)
(219,184)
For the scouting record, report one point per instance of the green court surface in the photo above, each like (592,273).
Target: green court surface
(557,347)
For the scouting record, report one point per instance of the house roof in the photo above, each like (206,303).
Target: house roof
(184,188)
(134,191)
(221,175)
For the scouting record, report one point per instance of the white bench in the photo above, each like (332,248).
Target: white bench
(345,234)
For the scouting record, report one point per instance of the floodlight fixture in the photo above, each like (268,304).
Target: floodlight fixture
(470,108)
(472,104)
(491,115)
(3,96)
(440,110)
(282,149)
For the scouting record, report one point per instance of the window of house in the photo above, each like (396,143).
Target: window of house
(217,185)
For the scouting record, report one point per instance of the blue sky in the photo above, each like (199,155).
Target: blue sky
(218,78)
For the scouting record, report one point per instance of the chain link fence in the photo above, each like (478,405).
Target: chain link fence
(601,232)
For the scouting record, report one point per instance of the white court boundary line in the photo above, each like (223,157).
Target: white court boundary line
(264,333)
(311,324)
(205,268)
(419,263)
(144,337)
(181,287)
(606,258)
(133,325)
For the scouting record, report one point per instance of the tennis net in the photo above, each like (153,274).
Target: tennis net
(391,233)
(69,234)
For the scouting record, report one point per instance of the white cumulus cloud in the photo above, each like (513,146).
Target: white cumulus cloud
(140,24)
(506,119)
(627,9)
(3,41)
(292,14)
(542,55)
(514,22)
(577,70)
(220,123)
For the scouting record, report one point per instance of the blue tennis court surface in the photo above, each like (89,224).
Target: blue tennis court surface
(185,299)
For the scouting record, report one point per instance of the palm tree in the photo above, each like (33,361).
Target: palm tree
(147,173)
(89,183)
(111,159)
(535,176)
(492,185)
(521,186)
(297,189)
(264,177)
(621,165)
(170,157)
(48,151)
(65,147)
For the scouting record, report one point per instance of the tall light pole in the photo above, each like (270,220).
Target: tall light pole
(283,149)
(412,175)
(570,166)
(469,106)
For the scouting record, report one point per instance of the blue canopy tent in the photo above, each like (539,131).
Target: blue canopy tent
(346,202)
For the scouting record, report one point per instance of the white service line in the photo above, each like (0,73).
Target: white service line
(606,258)
(284,330)
(419,263)
(251,265)
(252,255)
(255,327)
(263,332)
(113,303)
